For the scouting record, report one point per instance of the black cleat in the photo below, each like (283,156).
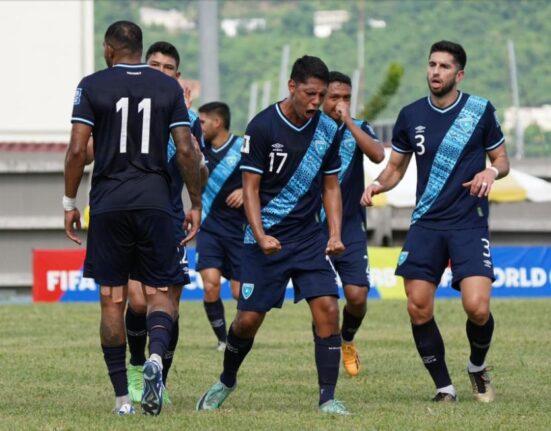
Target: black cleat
(444,397)
(483,391)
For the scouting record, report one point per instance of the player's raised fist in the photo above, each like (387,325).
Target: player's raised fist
(373,189)
(269,244)
(334,247)
(343,109)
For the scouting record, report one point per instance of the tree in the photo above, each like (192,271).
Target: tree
(388,88)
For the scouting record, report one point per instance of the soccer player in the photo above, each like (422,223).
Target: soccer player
(289,160)
(450,133)
(220,239)
(164,57)
(131,109)
(358,138)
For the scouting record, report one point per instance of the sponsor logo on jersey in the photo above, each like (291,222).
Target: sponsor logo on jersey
(420,129)
(247,290)
(277,146)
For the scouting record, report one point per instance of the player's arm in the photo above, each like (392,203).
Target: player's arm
(188,158)
(369,146)
(391,175)
(251,201)
(75,160)
(332,203)
(482,182)
(90,151)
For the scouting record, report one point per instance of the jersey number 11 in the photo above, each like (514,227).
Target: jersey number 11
(145,106)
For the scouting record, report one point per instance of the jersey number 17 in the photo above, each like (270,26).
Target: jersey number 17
(145,106)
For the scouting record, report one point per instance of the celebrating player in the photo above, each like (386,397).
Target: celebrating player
(220,240)
(450,133)
(290,158)
(164,57)
(358,138)
(131,109)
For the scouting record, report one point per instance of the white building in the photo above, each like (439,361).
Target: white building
(327,21)
(232,26)
(540,116)
(172,19)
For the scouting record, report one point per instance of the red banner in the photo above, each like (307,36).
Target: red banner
(57,276)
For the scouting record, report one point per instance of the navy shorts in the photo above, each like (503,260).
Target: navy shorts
(218,252)
(138,243)
(427,252)
(353,265)
(264,278)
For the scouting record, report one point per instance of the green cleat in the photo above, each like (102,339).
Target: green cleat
(135,382)
(214,397)
(166,399)
(334,407)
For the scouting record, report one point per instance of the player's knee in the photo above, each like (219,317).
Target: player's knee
(478,312)
(138,307)
(419,312)
(211,290)
(245,325)
(356,298)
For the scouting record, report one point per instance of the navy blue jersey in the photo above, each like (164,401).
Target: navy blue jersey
(177,183)
(224,177)
(131,109)
(291,161)
(450,148)
(351,179)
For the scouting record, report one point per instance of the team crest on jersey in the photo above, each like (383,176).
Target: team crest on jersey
(320,146)
(247,290)
(78,94)
(466,124)
(232,159)
(349,144)
(403,257)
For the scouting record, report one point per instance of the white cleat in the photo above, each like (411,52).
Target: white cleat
(125,410)
(221,346)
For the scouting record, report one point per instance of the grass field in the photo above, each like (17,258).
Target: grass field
(52,373)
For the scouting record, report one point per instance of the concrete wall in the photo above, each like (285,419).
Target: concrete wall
(47,48)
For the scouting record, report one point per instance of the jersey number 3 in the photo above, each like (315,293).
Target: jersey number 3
(420,144)
(145,106)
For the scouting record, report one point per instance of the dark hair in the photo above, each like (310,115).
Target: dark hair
(456,50)
(220,109)
(164,48)
(309,67)
(125,35)
(335,76)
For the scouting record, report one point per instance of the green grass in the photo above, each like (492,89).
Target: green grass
(53,377)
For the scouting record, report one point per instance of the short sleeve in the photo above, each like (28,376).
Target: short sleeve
(255,148)
(400,140)
(493,136)
(179,115)
(332,162)
(366,127)
(82,105)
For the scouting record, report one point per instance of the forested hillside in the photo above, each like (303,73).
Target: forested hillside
(483,27)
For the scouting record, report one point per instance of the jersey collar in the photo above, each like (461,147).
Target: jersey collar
(449,108)
(217,150)
(131,66)
(286,121)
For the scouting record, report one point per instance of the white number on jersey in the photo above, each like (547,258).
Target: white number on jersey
(145,106)
(273,156)
(420,144)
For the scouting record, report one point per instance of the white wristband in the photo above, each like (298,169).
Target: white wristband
(376,183)
(495,170)
(202,163)
(69,204)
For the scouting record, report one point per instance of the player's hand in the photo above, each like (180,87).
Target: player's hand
(334,247)
(269,244)
(482,183)
(191,225)
(371,190)
(72,220)
(187,93)
(235,199)
(343,109)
